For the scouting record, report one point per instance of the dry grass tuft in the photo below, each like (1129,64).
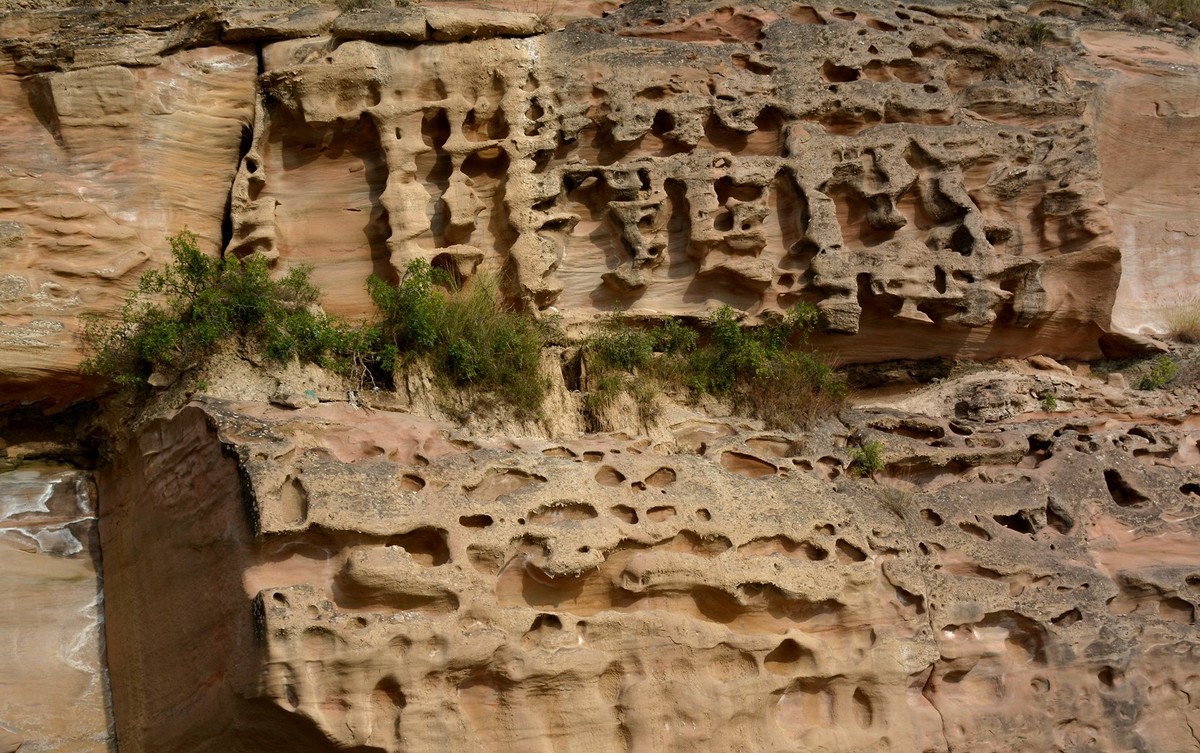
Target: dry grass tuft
(1183,321)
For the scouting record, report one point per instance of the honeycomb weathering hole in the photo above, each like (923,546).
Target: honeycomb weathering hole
(788,658)
(625,513)
(498,482)
(661,478)
(746,465)
(426,545)
(659,514)
(562,512)
(1122,492)
(475,521)
(609,476)
(411,483)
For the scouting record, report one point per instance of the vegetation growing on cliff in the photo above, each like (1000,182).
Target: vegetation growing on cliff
(766,371)
(469,337)
(178,315)
(1147,12)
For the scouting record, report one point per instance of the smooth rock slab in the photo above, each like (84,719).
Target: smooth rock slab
(53,685)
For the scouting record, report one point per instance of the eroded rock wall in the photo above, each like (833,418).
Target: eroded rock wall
(111,142)
(932,182)
(183,645)
(1149,106)
(938,180)
(398,586)
(671,158)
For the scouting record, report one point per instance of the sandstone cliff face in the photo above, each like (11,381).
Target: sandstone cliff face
(908,169)
(383,582)
(356,575)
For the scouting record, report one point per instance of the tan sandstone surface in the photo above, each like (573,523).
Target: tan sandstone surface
(919,173)
(292,563)
(53,686)
(340,578)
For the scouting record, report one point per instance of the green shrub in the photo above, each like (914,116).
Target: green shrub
(766,371)
(179,314)
(469,337)
(867,459)
(1048,400)
(621,346)
(1161,373)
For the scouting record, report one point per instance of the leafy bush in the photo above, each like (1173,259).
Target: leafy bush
(1048,400)
(867,459)
(469,337)
(766,370)
(620,346)
(1161,373)
(179,314)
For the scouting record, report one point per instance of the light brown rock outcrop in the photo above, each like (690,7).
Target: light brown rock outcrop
(1148,100)
(668,160)
(934,185)
(101,160)
(382,582)
(287,571)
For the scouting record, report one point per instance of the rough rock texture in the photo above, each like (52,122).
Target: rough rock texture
(670,158)
(347,580)
(98,164)
(53,686)
(919,173)
(285,571)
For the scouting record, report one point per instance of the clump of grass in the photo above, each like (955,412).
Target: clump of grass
(1183,321)
(350,6)
(469,336)
(1147,12)
(1036,33)
(178,315)
(766,371)
(1139,14)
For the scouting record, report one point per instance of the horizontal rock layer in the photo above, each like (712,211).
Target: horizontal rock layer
(926,179)
(343,580)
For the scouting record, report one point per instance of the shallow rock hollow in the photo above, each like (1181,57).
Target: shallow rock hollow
(329,579)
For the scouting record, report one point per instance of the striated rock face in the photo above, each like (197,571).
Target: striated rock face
(53,685)
(1149,104)
(920,174)
(99,163)
(331,579)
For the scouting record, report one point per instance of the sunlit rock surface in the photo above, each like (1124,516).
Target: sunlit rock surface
(939,180)
(934,183)
(336,579)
